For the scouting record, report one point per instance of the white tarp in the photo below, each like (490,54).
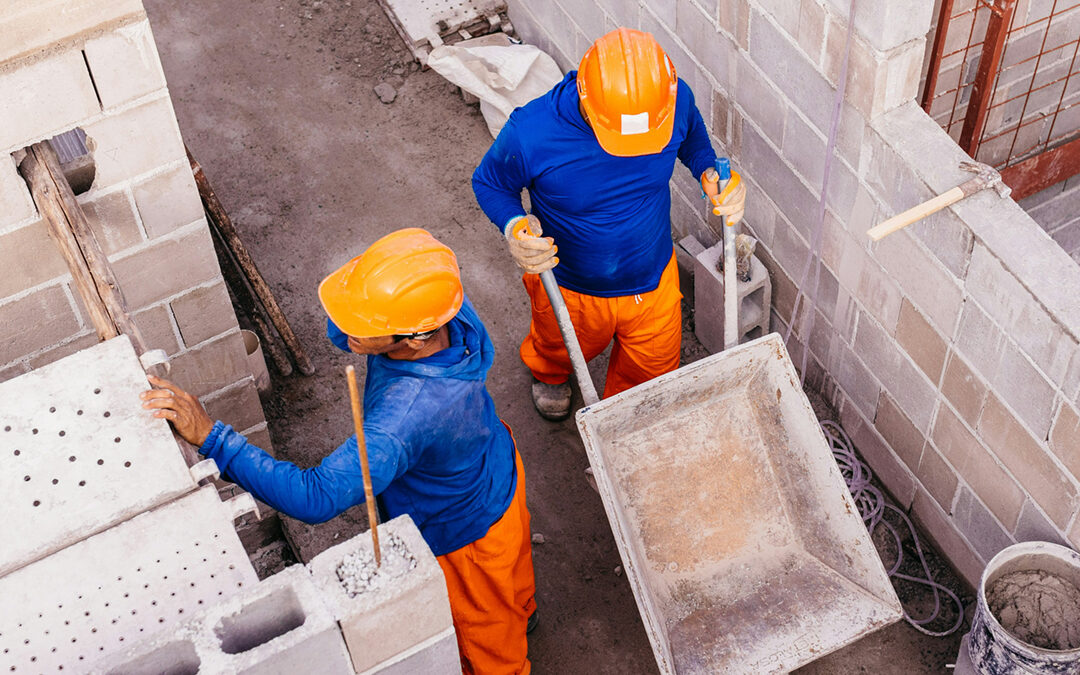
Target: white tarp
(502,74)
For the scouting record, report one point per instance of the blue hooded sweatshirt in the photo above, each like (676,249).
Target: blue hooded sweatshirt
(436,449)
(610,216)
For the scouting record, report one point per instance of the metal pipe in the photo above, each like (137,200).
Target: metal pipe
(573,347)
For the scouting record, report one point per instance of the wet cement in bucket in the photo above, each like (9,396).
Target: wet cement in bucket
(1038,607)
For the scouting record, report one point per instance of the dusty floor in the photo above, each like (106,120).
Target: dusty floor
(276,101)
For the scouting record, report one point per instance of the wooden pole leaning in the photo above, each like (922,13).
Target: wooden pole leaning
(361,447)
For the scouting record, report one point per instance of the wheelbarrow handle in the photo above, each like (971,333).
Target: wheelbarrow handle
(573,347)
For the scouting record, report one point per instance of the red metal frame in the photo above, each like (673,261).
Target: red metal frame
(973,101)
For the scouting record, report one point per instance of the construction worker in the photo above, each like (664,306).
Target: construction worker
(596,154)
(436,447)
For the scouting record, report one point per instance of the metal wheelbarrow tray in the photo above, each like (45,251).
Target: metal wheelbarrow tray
(741,542)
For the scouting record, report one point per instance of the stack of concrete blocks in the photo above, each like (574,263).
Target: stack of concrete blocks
(949,349)
(399,628)
(301,620)
(754,297)
(93,64)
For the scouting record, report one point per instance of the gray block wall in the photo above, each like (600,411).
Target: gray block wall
(93,64)
(1057,210)
(949,349)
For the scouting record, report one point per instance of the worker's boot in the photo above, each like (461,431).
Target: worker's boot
(552,401)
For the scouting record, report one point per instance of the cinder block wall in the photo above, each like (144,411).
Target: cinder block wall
(93,64)
(1057,210)
(949,349)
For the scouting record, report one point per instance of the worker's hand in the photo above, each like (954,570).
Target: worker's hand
(187,415)
(532,253)
(730,203)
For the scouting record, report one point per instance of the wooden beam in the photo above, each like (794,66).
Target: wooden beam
(1043,170)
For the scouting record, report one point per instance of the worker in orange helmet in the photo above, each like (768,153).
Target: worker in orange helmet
(596,154)
(437,449)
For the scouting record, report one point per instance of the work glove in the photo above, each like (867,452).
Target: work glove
(532,253)
(731,202)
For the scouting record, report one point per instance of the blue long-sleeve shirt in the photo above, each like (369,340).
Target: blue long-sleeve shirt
(436,448)
(610,216)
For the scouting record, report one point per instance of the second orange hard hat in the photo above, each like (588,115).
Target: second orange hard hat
(406,282)
(627,86)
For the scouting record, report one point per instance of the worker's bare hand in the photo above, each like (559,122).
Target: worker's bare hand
(532,253)
(731,202)
(170,402)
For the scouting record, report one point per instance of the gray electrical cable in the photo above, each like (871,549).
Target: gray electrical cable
(873,505)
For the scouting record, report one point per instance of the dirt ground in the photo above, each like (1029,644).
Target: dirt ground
(275,99)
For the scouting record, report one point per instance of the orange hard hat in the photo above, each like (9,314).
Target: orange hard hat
(627,87)
(406,282)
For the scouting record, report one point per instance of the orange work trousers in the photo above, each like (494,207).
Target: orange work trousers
(491,588)
(647,329)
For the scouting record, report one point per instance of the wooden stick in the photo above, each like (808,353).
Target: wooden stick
(249,305)
(915,213)
(361,447)
(221,220)
(44,189)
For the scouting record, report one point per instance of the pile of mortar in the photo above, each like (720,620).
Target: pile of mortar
(359,574)
(1038,607)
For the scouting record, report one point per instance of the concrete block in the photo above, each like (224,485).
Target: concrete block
(72,345)
(898,431)
(87,455)
(892,472)
(16,205)
(44,98)
(34,322)
(978,525)
(980,341)
(783,287)
(386,621)
(1065,438)
(948,238)
(888,26)
(733,18)
(203,313)
(124,64)
(924,345)
(1034,526)
(811,31)
(168,201)
(1024,388)
(28,257)
(112,219)
(167,266)
(156,324)
(259,436)
(39,24)
(211,366)
(977,467)
(238,405)
(711,48)
(152,571)
(876,291)
(965,390)
(804,150)
(928,286)
(769,169)
(1029,461)
(905,382)
(135,141)
(430,656)
(790,70)
(937,477)
(947,538)
(754,299)
(1010,304)
(13,370)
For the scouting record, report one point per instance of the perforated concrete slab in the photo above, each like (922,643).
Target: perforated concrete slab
(62,613)
(742,544)
(78,453)
(420,23)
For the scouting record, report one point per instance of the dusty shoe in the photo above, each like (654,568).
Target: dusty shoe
(534,621)
(552,401)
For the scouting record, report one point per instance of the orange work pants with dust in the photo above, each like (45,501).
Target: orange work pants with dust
(647,329)
(491,588)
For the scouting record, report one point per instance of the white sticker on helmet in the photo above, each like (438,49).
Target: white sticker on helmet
(635,124)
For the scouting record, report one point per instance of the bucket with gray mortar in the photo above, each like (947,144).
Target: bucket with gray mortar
(1027,620)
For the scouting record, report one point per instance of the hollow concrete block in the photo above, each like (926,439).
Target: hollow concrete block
(754,297)
(383,626)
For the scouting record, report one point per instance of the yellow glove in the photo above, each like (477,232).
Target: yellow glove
(730,203)
(532,253)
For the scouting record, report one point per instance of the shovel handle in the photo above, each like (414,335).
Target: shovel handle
(361,448)
(573,347)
